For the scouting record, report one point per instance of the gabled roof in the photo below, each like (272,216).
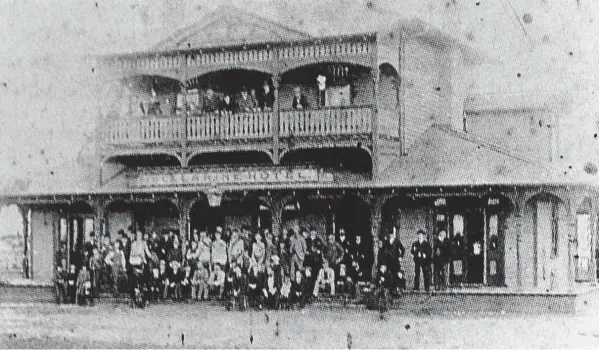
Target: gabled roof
(442,157)
(229,25)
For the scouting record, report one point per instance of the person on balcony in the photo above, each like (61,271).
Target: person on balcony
(154,105)
(254,98)
(210,102)
(299,100)
(226,105)
(267,100)
(245,103)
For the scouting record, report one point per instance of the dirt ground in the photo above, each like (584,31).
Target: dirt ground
(199,325)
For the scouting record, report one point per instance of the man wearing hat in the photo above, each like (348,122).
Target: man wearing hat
(421,250)
(244,102)
(393,253)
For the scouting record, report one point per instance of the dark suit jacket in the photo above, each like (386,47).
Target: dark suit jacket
(302,100)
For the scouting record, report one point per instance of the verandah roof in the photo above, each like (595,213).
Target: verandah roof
(440,158)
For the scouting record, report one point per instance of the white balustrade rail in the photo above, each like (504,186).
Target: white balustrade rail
(150,130)
(265,53)
(323,122)
(229,126)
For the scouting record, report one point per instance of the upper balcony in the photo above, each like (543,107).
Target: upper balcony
(273,98)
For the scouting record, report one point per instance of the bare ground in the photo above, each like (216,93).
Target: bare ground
(110,325)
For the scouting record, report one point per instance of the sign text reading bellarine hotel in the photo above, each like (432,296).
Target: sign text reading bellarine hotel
(243,176)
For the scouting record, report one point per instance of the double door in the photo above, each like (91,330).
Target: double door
(481,233)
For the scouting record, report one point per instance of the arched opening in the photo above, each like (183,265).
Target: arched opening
(355,160)
(207,93)
(148,96)
(387,93)
(232,213)
(328,84)
(160,217)
(328,216)
(231,158)
(542,244)
(14,245)
(148,217)
(145,160)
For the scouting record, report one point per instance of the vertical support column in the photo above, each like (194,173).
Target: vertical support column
(276,205)
(376,215)
(375,121)
(184,205)
(276,80)
(24,210)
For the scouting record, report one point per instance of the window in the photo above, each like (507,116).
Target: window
(458,224)
(585,246)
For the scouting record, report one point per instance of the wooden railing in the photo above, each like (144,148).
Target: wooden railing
(329,121)
(151,130)
(240,126)
(229,126)
(265,52)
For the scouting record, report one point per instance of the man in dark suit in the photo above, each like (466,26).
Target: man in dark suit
(421,250)
(441,256)
(299,100)
(267,97)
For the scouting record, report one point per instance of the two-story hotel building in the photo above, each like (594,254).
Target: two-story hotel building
(387,135)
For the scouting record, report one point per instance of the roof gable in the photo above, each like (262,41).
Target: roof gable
(228,25)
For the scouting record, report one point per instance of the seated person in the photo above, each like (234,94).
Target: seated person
(186,283)
(360,277)
(299,100)
(174,281)
(245,103)
(285,294)
(200,282)
(161,280)
(216,284)
(255,285)
(325,279)
(238,289)
(271,289)
(72,284)
(297,288)
(345,282)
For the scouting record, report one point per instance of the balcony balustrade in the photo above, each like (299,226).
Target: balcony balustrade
(239,126)
(325,122)
(229,126)
(150,130)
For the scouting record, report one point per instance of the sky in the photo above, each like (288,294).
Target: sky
(47,95)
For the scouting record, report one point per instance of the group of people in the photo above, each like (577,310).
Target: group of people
(247,100)
(246,269)
(240,267)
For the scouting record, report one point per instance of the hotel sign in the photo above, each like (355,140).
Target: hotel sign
(228,177)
